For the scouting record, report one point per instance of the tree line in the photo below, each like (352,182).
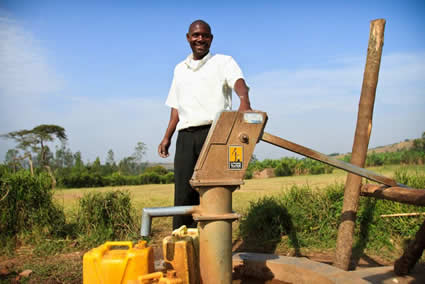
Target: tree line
(67,169)
(412,156)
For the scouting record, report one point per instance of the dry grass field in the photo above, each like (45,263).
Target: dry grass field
(159,195)
(153,195)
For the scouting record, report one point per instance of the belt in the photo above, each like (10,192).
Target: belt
(196,128)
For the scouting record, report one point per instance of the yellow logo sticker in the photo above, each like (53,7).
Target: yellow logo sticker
(235,157)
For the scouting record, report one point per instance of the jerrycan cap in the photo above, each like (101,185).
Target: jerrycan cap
(141,244)
(171,274)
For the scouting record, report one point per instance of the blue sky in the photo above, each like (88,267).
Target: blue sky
(102,69)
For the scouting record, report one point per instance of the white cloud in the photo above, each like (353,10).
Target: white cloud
(31,94)
(26,78)
(317,107)
(25,71)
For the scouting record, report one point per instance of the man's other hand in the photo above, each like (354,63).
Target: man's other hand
(163,148)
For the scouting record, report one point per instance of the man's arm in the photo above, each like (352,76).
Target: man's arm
(241,90)
(166,141)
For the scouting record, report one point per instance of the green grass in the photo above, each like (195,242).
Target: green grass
(314,209)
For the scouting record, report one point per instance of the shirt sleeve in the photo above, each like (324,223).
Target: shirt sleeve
(172,94)
(232,72)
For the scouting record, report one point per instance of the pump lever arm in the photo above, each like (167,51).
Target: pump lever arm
(293,147)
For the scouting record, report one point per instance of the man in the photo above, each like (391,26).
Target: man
(201,88)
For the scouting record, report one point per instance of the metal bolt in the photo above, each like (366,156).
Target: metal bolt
(244,138)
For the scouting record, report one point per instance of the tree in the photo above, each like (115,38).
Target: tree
(79,164)
(96,167)
(44,159)
(64,158)
(25,141)
(419,144)
(110,157)
(47,133)
(127,166)
(11,158)
(139,152)
(35,140)
(110,165)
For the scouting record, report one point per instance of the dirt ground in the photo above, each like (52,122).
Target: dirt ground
(67,268)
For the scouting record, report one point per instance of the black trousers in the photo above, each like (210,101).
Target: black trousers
(188,147)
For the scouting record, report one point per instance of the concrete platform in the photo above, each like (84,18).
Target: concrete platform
(385,275)
(303,270)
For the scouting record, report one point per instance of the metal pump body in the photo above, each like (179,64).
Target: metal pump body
(219,171)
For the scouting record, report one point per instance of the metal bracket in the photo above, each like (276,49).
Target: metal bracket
(216,217)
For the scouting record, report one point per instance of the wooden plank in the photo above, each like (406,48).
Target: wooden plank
(399,194)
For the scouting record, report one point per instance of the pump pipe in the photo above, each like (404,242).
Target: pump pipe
(149,213)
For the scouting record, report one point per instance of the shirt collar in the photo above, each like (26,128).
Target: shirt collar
(194,65)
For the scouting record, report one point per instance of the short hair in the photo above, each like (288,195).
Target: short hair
(199,22)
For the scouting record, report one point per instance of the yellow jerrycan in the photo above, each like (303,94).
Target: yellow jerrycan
(117,262)
(181,253)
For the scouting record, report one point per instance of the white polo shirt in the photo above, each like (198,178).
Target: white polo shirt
(202,88)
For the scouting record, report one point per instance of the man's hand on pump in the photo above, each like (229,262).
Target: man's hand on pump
(241,90)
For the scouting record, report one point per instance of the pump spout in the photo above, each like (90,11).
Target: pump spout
(149,213)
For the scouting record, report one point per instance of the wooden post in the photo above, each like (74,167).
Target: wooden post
(361,142)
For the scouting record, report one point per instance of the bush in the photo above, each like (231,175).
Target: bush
(282,170)
(150,177)
(267,220)
(160,170)
(248,173)
(315,214)
(114,180)
(374,160)
(286,167)
(419,144)
(80,179)
(412,180)
(153,175)
(27,206)
(105,216)
(4,170)
(168,178)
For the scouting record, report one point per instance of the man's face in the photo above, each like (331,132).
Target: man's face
(199,38)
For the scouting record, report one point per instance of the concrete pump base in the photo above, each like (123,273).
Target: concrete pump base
(303,270)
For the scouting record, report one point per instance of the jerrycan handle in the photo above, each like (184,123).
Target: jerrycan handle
(151,276)
(107,246)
